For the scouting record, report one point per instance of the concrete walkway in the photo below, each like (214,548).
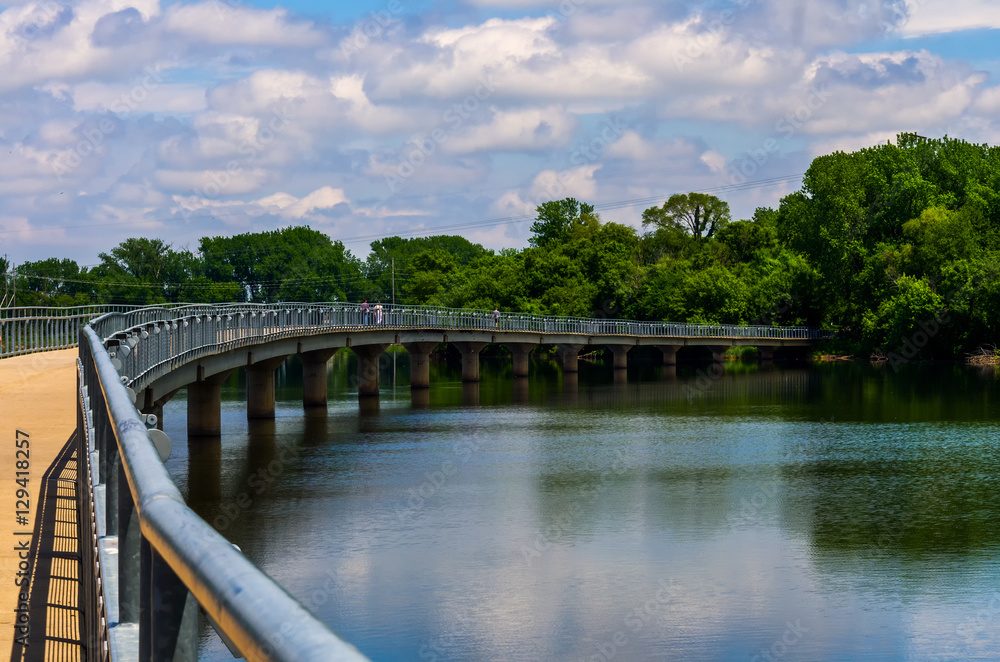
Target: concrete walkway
(38,413)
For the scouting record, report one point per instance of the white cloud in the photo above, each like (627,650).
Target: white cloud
(217,22)
(212,183)
(153,97)
(289,206)
(573,183)
(517,130)
(632,146)
(256,117)
(925,17)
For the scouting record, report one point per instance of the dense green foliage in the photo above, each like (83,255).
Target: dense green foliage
(896,247)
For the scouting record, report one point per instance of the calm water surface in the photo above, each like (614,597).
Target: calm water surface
(838,512)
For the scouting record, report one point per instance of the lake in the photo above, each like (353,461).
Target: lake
(787,512)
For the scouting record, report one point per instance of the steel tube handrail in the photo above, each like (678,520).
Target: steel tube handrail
(137,346)
(252,610)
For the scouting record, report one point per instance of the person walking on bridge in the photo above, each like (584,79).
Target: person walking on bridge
(496,318)
(378,313)
(364,312)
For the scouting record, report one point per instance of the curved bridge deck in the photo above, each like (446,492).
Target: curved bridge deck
(155,352)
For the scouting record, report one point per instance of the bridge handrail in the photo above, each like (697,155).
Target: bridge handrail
(30,329)
(260,619)
(465,318)
(219,327)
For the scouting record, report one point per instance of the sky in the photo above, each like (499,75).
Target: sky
(179,120)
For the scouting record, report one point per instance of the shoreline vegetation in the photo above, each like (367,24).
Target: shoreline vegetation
(895,248)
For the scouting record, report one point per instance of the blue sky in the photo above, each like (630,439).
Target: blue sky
(180,120)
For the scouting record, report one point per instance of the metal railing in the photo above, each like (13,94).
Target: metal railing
(26,330)
(170,340)
(154,561)
(151,557)
(30,329)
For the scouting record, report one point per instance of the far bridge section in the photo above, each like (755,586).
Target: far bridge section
(159,351)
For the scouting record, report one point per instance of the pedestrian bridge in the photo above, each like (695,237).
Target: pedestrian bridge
(161,351)
(149,563)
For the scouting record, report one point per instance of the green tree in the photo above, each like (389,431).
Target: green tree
(557,220)
(700,214)
(291,264)
(54,282)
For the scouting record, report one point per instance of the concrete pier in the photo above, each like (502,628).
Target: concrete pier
(620,353)
(420,363)
(521,353)
(368,357)
(204,405)
(260,387)
(570,357)
(314,376)
(470,359)
(669,353)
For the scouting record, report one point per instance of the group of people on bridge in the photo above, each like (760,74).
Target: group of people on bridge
(369,312)
(375,313)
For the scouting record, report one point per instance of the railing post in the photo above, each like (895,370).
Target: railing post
(168,631)
(146,615)
(128,552)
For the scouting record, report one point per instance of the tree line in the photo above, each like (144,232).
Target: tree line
(895,247)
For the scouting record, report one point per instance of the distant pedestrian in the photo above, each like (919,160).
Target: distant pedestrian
(364,312)
(378,313)
(496,318)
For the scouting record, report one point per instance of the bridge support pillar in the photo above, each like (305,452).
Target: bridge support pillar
(314,376)
(368,356)
(420,363)
(204,408)
(766,354)
(669,353)
(470,359)
(718,352)
(570,354)
(260,387)
(521,352)
(621,355)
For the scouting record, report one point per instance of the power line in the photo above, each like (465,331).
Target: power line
(607,206)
